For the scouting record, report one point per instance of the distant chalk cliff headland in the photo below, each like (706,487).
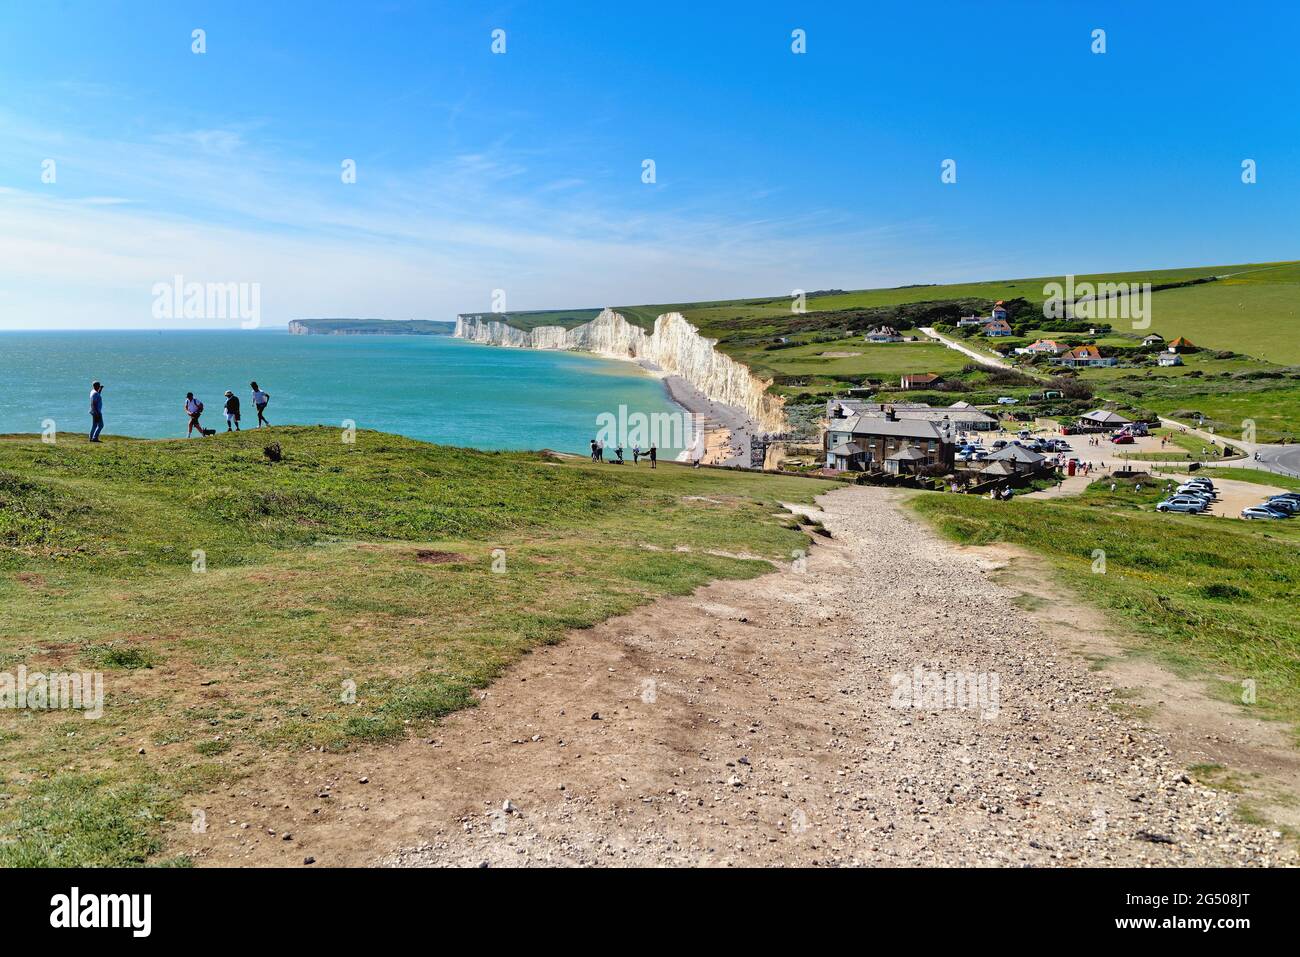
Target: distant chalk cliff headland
(371,327)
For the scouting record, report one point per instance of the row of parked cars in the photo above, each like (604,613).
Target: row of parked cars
(1198,494)
(975,452)
(1277,506)
(1195,495)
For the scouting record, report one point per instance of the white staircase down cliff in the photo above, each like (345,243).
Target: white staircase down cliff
(675,346)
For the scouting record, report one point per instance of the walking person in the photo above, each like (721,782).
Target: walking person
(96,410)
(636,454)
(232,411)
(654,456)
(194,409)
(260,399)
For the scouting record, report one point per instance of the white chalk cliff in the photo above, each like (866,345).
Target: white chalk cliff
(675,346)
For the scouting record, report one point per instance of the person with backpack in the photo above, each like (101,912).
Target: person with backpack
(96,410)
(194,409)
(260,399)
(232,411)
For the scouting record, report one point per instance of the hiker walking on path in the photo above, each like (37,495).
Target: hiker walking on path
(260,399)
(232,411)
(96,410)
(654,456)
(194,409)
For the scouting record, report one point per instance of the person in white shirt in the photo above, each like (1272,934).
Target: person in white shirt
(194,409)
(260,399)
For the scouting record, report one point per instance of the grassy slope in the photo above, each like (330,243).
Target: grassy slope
(314,577)
(1216,593)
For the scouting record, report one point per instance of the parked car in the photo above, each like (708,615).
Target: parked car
(1258,511)
(1060,445)
(1122,439)
(1180,505)
(1190,489)
(1282,505)
(999,444)
(1285,497)
(1007,400)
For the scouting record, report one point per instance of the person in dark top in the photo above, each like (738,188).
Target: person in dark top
(654,456)
(96,410)
(618,452)
(232,411)
(593,450)
(260,399)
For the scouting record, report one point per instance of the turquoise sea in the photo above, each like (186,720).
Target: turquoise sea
(433,388)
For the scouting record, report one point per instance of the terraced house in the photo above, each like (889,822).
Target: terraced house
(885,442)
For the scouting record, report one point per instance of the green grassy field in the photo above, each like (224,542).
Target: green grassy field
(1256,312)
(1216,594)
(369,563)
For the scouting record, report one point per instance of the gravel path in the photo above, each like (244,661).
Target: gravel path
(759,723)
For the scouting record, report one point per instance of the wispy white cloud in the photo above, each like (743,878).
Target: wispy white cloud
(212,204)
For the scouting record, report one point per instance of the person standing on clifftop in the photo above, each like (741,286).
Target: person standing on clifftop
(96,410)
(600,451)
(636,454)
(232,411)
(654,456)
(593,450)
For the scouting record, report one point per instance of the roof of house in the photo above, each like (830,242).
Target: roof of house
(1046,344)
(921,377)
(850,448)
(1154,335)
(909,454)
(997,325)
(1180,341)
(1101,415)
(879,425)
(1169,359)
(1015,453)
(998,468)
(960,404)
(1084,352)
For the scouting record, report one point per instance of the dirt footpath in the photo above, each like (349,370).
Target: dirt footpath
(790,719)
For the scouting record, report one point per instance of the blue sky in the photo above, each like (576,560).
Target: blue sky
(522,171)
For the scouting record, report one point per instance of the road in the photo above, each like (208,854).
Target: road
(981,358)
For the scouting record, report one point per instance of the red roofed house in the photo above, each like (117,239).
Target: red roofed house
(920,380)
(1088,355)
(1045,345)
(998,327)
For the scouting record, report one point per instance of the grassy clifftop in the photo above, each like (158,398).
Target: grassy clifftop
(231,601)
